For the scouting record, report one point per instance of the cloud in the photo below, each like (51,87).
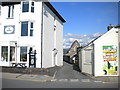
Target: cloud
(82,39)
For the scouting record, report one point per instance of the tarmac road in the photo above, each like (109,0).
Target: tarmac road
(11,83)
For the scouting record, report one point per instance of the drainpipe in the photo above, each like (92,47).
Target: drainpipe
(42,35)
(93,60)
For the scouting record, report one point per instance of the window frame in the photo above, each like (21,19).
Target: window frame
(23,6)
(31,6)
(10,12)
(30,28)
(22,34)
(3,55)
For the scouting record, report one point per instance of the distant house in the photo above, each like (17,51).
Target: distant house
(72,52)
(101,56)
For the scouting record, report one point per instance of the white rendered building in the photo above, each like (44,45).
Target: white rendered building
(31,24)
(101,56)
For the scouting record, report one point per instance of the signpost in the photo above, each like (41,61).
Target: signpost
(32,58)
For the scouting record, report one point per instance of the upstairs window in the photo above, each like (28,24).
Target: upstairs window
(24,28)
(32,7)
(25,7)
(27,28)
(31,29)
(10,11)
(28,7)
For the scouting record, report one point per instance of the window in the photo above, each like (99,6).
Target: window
(12,53)
(24,28)
(88,56)
(31,29)
(25,7)
(4,53)
(10,11)
(32,7)
(23,54)
(27,28)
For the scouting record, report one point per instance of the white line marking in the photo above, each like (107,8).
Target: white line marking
(54,74)
(63,80)
(97,81)
(85,80)
(74,80)
(54,80)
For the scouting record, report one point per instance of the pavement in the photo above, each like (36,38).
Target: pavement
(28,77)
(105,79)
(30,74)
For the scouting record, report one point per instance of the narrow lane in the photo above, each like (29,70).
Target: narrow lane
(67,72)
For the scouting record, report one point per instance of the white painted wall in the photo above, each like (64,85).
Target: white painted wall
(50,40)
(59,42)
(109,38)
(48,37)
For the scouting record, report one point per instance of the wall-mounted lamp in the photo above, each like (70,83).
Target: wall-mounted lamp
(15,44)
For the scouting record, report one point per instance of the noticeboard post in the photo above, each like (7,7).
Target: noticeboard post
(32,58)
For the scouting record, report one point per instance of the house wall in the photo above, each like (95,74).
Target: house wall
(109,38)
(34,41)
(59,42)
(51,38)
(48,36)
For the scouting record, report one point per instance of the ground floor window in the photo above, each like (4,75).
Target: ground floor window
(23,54)
(4,53)
(12,53)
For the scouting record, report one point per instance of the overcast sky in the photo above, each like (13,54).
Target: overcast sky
(86,20)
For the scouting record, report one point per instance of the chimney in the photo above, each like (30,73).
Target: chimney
(109,27)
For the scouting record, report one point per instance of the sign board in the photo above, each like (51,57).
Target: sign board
(10,29)
(32,59)
(110,63)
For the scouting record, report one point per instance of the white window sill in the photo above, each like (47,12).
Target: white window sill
(10,18)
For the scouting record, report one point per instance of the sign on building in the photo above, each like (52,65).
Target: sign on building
(110,64)
(10,29)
